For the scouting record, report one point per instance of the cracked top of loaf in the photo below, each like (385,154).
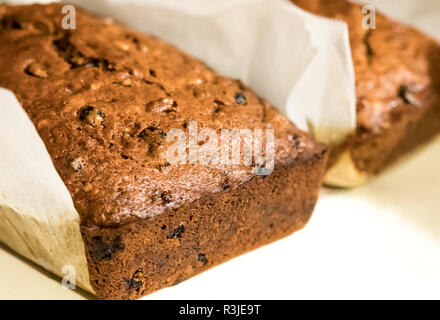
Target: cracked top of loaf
(103,97)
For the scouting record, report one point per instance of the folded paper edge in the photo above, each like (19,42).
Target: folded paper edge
(52,245)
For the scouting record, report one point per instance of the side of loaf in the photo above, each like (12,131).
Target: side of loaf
(397,73)
(103,99)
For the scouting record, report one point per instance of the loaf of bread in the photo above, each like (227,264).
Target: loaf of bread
(397,73)
(103,99)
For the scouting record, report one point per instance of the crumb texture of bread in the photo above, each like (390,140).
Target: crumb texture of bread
(397,71)
(103,97)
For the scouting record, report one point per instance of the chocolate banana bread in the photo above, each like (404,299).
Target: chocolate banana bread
(104,99)
(397,73)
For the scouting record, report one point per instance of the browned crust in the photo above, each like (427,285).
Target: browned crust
(141,258)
